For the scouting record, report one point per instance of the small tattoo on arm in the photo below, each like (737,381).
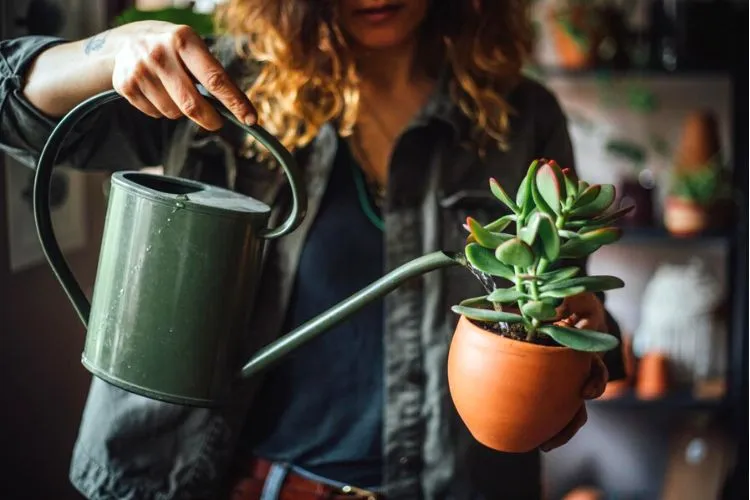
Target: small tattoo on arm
(95,43)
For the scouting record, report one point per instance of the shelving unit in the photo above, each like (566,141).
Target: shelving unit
(659,235)
(677,400)
(633,431)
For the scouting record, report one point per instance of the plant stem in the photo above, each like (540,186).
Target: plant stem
(531,332)
(542,266)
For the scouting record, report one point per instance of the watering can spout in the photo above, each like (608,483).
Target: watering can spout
(276,350)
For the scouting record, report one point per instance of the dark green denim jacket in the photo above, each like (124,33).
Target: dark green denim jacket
(130,447)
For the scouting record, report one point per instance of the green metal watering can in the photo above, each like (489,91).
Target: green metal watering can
(178,269)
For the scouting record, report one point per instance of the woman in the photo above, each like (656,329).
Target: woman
(395,110)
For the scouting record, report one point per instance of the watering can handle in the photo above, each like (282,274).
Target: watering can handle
(48,157)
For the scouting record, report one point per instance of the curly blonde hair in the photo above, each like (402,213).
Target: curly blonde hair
(307,74)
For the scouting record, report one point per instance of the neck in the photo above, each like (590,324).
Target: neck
(389,70)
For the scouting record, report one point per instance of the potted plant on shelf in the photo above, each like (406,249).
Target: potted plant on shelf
(575,27)
(695,199)
(515,367)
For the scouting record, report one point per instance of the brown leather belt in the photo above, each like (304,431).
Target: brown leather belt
(253,475)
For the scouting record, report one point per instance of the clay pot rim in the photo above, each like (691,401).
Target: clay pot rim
(682,201)
(513,343)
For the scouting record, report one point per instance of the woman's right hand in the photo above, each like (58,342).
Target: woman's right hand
(156,66)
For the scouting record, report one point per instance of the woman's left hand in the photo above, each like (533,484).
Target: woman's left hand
(583,311)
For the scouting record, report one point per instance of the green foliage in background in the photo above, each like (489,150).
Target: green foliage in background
(203,24)
(703,186)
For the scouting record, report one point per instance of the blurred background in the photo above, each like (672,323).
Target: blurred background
(646,85)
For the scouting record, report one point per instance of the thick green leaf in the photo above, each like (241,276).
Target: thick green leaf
(577,224)
(581,340)
(603,200)
(506,295)
(576,249)
(488,239)
(560,274)
(539,310)
(553,301)
(582,186)
(550,184)
(515,253)
(487,314)
(603,236)
(588,196)
(563,292)
(524,194)
(501,195)
(611,217)
(548,236)
(564,233)
(528,233)
(484,260)
(600,221)
(590,283)
(475,301)
(500,224)
(570,183)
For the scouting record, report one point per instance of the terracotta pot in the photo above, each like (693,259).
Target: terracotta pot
(699,142)
(571,54)
(584,493)
(684,217)
(618,388)
(513,396)
(653,376)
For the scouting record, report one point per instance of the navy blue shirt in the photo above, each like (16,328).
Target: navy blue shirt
(323,404)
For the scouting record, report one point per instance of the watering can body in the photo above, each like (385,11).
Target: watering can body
(178,270)
(174,284)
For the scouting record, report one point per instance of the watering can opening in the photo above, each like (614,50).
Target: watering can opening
(189,194)
(163,184)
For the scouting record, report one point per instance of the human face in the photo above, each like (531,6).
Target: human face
(382,24)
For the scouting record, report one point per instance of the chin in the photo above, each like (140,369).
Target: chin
(382,24)
(381,41)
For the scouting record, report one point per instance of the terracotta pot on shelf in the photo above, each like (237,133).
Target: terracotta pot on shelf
(617,388)
(513,395)
(570,52)
(653,376)
(699,143)
(685,218)
(584,493)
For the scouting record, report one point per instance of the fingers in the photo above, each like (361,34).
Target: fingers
(132,93)
(154,91)
(187,98)
(584,324)
(597,381)
(157,70)
(570,430)
(209,72)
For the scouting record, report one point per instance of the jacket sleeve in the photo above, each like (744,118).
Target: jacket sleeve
(556,145)
(116,136)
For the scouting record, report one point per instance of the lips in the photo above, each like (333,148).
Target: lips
(379,11)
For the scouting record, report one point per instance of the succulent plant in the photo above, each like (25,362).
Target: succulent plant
(557,218)
(703,186)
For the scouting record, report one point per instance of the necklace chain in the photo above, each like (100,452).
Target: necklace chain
(377,191)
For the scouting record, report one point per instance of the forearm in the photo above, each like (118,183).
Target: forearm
(64,75)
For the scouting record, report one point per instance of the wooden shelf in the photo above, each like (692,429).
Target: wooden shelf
(678,400)
(660,235)
(629,73)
